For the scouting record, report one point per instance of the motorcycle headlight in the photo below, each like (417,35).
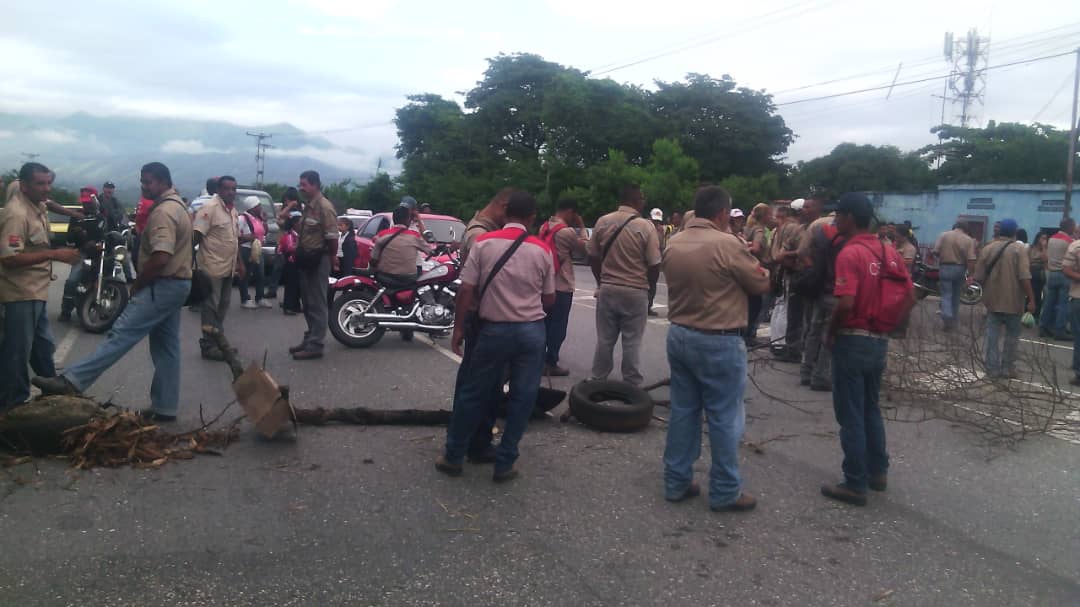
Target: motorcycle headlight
(120,253)
(87,262)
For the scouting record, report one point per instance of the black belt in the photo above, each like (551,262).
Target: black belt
(739,332)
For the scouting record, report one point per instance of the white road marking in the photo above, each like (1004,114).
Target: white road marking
(447,352)
(1046,343)
(64,347)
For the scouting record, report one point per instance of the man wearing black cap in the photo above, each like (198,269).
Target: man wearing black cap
(1005,275)
(114,212)
(859,329)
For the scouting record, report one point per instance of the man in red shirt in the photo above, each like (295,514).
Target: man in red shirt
(859,351)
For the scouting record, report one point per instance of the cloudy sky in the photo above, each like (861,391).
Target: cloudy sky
(339,68)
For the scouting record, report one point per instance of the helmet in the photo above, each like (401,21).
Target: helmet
(248,203)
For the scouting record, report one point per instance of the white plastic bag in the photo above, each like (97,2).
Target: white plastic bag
(778,323)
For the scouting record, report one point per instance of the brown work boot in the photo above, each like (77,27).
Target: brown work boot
(447,468)
(555,371)
(745,503)
(843,493)
(879,483)
(307,354)
(693,490)
(295,349)
(505,476)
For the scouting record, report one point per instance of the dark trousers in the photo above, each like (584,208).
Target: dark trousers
(71,285)
(290,280)
(273,265)
(558,319)
(254,272)
(1038,281)
(754,303)
(26,339)
(857,365)
(794,336)
(652,289)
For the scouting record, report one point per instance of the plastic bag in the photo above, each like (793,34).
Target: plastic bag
(778,324)
(1028,320)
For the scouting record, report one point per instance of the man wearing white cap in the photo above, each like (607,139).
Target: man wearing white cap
(253,232)
(657,216)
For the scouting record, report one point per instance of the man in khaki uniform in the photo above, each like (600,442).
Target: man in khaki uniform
(1070,267)
(395,249)
(488,219)
(159,292)
(624,252)
(955,251)
(560,233)
(316,255)
(817,258)
(216,234)
(710,273)
(25,272)
(1005,275)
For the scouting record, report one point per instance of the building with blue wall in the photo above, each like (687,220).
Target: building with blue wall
(1034,207)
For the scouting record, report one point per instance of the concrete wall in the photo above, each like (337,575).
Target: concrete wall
(1034,207)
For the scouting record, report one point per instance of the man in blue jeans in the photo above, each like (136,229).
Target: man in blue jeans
(159,292)
(710,273)
(1070,267)
(860,343)
(1055,312)
(510,306)
(955,251)
(561,235)
(25,271)
(1004,272)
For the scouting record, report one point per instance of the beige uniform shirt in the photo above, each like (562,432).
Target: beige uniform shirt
(566,244)
(168,229)
(955,247)
(806,238)
(1002,291)
(398,256)
(217,222)
(514,295)
(479,226)
(1072,260)
(24,228)
(709,274)
(318,224)
(756,235)
(908,252)
(634,251)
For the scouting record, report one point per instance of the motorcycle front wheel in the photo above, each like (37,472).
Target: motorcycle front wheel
(98,316)
(347,323)
(971,295)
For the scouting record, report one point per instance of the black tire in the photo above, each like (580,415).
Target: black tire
(971,295)
(343,324)
(95,319)
(611,406)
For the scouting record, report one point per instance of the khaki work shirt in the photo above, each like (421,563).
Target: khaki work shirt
(709,274)
(756,235)
(806,239)
(1002,289)
(634,251)
(318,224)
(168,229)
(1072,260)
(515,293)
(217,222)
(955,247)
(478,226)
(567,243)
(908,252)
(24,228)
(398,256)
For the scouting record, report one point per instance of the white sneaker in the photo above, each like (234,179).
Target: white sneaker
(249,305)
(265,304)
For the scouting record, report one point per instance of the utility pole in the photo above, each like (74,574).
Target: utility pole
(1072,140)
(260,154)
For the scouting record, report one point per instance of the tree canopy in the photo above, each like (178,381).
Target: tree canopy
(1006,152)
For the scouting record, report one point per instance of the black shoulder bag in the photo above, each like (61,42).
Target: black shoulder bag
(387,242)
(473,322)
(993,262)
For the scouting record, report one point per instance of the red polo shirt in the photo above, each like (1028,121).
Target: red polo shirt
(857,275)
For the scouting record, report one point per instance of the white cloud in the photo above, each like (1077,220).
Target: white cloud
(365,10)
(352,158)
(6,134)
(53,136)
(187,146)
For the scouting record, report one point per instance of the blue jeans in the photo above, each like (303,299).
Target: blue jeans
(482,435)
(1000,360)
(708,373)
(254,270)
(154,311)
(26,339)
(858,363)
(1074,317)
(1055,311)
(558,319)
(952,285)
(519,345)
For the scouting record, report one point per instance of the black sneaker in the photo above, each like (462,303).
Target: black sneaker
(149,415)
(58,385)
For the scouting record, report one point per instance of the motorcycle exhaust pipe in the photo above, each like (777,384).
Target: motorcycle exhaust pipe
(415,326)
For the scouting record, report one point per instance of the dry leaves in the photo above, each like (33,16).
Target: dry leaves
(125,438)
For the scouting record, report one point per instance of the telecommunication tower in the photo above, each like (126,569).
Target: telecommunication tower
(967,79)
(260,154)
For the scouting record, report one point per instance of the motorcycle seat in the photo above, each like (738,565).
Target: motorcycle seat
(396,281)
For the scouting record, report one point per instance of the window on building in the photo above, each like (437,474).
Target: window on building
(981,203)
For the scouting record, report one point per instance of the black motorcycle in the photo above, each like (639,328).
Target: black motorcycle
(102,293)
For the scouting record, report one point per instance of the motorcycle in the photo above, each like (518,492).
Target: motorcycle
(366,304)
(102,292)
(927,281)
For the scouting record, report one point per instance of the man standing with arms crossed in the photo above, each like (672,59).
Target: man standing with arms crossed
(561,234)
(25,272)
(710,273)
(1055,313)
(625,255)
(955,251)
(160,290)
(216,234)
(316,256)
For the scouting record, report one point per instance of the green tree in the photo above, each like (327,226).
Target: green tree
(748,191)
(1005,152)
(606,178)
(670,177)
(852,168)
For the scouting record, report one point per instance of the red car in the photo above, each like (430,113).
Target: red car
(447,230)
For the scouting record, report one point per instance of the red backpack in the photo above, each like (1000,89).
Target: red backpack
(893,292)
(547,234)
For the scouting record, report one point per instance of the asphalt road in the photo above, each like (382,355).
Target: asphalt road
(353,515)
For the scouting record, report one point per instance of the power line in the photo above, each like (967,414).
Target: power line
(1064,83)
(919,81)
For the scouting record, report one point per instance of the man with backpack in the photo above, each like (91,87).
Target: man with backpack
(874,295)
(814,283)
(1005,275)
(560,234)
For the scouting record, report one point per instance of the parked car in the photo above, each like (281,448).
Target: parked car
(446,230)
(58,225)
(269,210)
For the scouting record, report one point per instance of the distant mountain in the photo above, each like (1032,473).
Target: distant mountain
(88,150)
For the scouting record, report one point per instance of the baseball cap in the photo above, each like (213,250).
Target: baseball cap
(109,184)
(656,214)
(408,202)
(798,204)
(1008,227)
(736,213)
(856,204)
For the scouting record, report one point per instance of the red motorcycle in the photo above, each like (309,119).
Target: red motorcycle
(367,304)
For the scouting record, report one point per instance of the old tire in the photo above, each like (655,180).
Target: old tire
(348,327)
(611,406)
